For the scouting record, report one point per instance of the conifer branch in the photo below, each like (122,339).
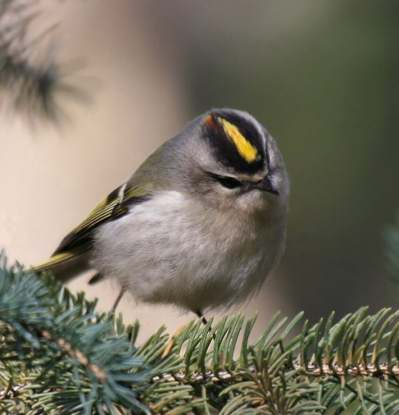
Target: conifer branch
(58,355)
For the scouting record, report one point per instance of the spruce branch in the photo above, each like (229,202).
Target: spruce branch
(58,355)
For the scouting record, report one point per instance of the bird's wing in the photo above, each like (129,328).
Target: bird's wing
(80,239)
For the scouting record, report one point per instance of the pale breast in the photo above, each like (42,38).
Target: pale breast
(170,249)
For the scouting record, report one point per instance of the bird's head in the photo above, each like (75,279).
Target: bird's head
(231,161)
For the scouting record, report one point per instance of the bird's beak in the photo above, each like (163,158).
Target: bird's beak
(266,185)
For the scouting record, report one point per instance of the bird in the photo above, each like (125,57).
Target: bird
(199,225)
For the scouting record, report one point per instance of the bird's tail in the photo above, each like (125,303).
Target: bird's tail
(65,266)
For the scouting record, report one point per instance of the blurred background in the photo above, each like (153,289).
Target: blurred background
(322,76)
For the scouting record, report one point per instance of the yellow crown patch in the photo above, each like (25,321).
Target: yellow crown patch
(246,150)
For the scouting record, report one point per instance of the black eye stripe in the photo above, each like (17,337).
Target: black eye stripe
(226,181)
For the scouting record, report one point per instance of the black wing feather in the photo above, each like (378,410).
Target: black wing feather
(115,205)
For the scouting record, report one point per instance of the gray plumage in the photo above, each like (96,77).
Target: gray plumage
(199,225)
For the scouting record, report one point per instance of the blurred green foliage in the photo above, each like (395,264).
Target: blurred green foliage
(324,78)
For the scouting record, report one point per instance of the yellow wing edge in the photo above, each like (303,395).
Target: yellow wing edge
(54,261)
(110,206)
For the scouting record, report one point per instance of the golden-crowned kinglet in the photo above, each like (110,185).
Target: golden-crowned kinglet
(199,225)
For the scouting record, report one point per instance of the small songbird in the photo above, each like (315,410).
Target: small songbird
(199,225)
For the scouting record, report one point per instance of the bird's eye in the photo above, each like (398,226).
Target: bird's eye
(227,181)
